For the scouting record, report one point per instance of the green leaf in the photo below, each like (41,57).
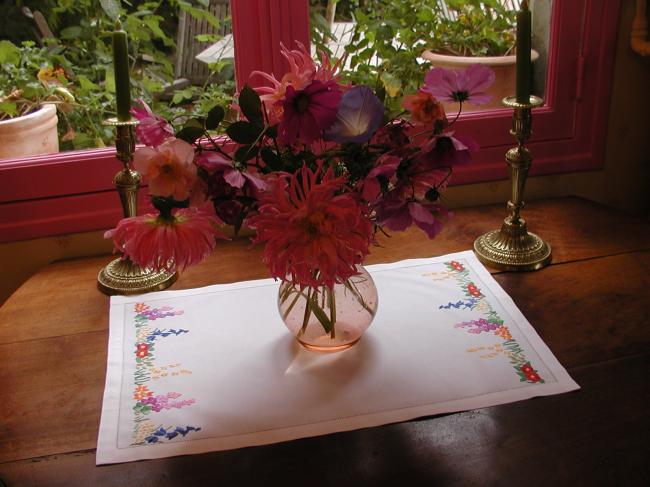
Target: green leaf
(8,107)
(73,32)
(112,8)
(190,134)
(215,116)
(244,132)
(272,131)
(251,105)
(9,53)
(271,159)
(246,153)
(392,84)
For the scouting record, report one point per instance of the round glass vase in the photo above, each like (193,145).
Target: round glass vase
(329,320)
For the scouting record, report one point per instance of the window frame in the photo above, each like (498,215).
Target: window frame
(72,192)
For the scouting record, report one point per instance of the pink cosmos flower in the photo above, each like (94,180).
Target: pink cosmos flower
(447,150)
(302,71)
(169,168)
(308,112)
(214,163)
(172,243)
(386,167)
(467,85)
(152,130)
(312,235)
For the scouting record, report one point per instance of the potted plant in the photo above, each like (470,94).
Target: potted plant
(477,32)
(30,91)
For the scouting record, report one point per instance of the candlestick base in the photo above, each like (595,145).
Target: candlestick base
(512,248)
(121,276)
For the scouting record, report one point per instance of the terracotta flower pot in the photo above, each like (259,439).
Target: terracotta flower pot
(30,135)
(503,66)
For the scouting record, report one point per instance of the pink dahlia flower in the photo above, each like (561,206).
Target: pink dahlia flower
(152,130)
(312,235)
(172,243)
(468,85)
(308,112)
(169,168)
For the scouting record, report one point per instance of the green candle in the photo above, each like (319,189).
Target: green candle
(121,70)
(524,42)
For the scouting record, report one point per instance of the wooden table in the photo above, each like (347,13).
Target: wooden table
(590,306)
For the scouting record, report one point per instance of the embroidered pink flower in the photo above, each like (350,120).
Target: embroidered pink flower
(152,130)
(308,112)
(166,243)
(468,85)
(311,234)
(169,168)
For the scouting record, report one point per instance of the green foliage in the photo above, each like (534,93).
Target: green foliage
(482,28)
(390,36)
(83,51)
(386,44)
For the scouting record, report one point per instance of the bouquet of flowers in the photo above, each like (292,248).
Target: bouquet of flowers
(315,166)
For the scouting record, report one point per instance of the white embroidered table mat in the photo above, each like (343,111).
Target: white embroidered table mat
(214,368)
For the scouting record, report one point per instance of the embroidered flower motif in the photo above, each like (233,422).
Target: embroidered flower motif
(457,266)
(142,350)
(141,393)
(473,290)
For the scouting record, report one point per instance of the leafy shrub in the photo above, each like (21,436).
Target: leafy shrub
(82,53)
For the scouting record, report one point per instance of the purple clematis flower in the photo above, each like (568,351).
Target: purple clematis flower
(308,112)
(360,114)
(152,130)
(468,85)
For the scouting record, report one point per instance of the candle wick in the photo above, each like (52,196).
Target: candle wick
(118,24)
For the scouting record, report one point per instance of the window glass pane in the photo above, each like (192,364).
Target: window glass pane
(391,44)
(181,58)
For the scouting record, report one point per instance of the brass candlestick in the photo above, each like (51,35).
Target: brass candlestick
(121,276)
(512,247)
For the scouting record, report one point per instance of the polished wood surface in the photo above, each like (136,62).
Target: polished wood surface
(591,307)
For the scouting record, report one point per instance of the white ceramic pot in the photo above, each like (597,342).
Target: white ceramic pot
(30,135)
(504,68)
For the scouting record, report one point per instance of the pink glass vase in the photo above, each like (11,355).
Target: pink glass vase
(329,320)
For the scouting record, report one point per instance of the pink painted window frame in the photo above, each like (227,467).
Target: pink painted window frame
(72,192)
